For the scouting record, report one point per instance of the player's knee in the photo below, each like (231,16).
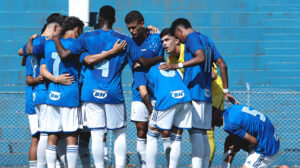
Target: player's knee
(142,133)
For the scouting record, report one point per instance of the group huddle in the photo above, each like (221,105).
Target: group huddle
(75,92)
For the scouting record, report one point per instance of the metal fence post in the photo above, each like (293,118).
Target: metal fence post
(248,94)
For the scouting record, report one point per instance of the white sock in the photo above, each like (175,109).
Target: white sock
(72,154)
(225,164)
(51,156)
(175,150)
(141,151)
(206,150)
(84,153)
(167,148)
(41,151)
(120,147)
(32,163)
(59,164)
(97,147)
(196,137)
(151,148)
(105,154)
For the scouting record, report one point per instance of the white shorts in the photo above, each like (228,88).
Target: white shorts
(202,115)
(33,123)
(256,160)
(139,111)
(101,116)
(41,111)
(179,115)
(62,119)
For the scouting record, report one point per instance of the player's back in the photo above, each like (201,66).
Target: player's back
(102,82)
(167,87)
(58,94)
(254,123)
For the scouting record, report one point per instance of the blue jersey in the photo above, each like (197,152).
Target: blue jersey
(198,77)
(239,119)
(166,86)
(150,47)
(29,106)
(40,90)
(102,81)
(58,94)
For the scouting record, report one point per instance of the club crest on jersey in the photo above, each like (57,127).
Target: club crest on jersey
(33,96)
(207,92)
(54,95)
(100,94)
(177,94)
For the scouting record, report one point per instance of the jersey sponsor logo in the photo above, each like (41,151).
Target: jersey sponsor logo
(54,95)
(207,92)
(177,94)
(144,49)
(100,94)
(33,96)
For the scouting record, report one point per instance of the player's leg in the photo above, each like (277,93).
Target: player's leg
(182,120)
(83,148)
(42,122)
(257,160)
(140,115)
(166,144)
(105,151)
(151,147)
(96,122)
(61,150)
(53,127)
(116,121)
(70,125)
(211,140)
(33,123)
(230,149)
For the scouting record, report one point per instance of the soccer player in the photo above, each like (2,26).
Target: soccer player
(35,48)
(199,54)
(102,92)
(172,110)
(29,107)
(150,45)
(256,129)
(63,101)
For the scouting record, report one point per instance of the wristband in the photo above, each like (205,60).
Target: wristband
(180,65)
(225,90)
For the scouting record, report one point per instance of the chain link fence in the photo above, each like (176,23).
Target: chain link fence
(282,106)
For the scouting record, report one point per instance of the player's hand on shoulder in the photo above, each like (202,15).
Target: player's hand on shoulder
(119,46)
(34,36)
(168,66)
(153,29)
(65,79)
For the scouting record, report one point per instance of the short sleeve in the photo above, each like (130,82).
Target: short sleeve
(24,48)
(139,77)
(42,61)
(29,70)
(39,49)
(82,56)
(78,45)
(193,43)
(234,130)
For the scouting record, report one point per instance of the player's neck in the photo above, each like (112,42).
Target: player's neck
(105,26)
(47,33)
(176,52)
(142,37)
(69,34)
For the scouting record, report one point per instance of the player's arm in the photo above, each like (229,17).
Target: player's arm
(213,75)
(64,79)
(61,50)
(29,47)
(146,98)
(22,52)
(224,75)
(251,139)
(148,62)
(196,48)
(30,81)
(118,47)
